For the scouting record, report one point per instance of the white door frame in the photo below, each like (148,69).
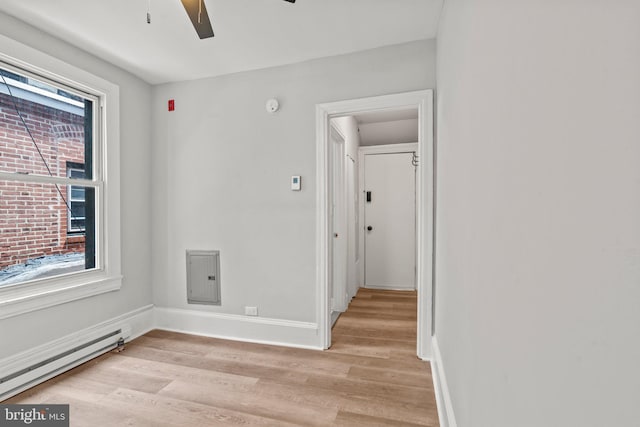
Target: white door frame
(381,149)
(423,101)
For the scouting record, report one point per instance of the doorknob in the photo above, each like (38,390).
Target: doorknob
(369,228)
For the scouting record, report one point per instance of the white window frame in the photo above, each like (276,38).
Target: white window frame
(106,277)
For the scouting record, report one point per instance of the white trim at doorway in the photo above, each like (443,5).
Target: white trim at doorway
(423,101)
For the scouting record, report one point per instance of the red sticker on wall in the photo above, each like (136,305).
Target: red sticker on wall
(172,105)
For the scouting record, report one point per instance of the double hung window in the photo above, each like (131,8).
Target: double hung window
(58,215)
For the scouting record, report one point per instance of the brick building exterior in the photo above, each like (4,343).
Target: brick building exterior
(34,220)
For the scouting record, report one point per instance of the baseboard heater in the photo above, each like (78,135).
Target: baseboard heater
(53,359)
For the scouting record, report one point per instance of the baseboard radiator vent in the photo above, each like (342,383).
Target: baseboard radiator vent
(35,366)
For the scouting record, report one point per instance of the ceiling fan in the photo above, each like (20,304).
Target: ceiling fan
(197,12)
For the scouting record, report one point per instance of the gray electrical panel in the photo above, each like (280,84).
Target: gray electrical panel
(203,277)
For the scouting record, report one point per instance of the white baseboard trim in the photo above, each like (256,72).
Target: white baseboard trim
(443,398)
(239,328)
(334,317)
(141,321)
(131,324)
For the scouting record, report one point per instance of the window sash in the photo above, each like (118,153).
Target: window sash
(97,125)
(75,224)
(42,179)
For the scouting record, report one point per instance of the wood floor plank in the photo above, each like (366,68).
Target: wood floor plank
(218,365)
(362,402)
(398,411)
(183,373)
(394,334)
(363,320)
(370,346)
(86,390)
(409,364)
(370,376)
(381,304)
(250,403)
(82,414)
(359,348)
(178,412)
(357,387)
(281,361)
(67,384)
(383,313)
(349,419)
(130,379)
(391,377)
(186,347)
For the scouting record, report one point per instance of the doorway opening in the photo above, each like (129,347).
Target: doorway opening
(361,144)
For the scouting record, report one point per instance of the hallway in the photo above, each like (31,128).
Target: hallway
(378,323)
(380,326)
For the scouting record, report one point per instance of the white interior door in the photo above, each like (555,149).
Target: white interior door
(389,221)
(338,225)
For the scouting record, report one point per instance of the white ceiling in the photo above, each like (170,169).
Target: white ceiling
(386,116)
(392,132)
(388,126)
(249,34)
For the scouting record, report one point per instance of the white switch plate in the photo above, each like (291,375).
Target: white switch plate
(296,183)
(251,311)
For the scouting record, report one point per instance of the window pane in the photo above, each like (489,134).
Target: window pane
(76,173)
(77,193)
(77,225)
(77,210)
(34,236)
(54,118)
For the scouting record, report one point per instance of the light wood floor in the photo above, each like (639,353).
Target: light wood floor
(369,377)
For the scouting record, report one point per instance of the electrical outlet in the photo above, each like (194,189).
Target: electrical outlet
(251,311)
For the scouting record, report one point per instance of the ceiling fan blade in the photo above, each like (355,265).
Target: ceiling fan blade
(291,1)
(197,11)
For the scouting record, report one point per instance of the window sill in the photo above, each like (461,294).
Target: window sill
(17,300)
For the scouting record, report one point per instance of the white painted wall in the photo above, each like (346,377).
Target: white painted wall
(538,212)
(29,330)
(221,169)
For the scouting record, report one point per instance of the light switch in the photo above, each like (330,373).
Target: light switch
(296,184)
